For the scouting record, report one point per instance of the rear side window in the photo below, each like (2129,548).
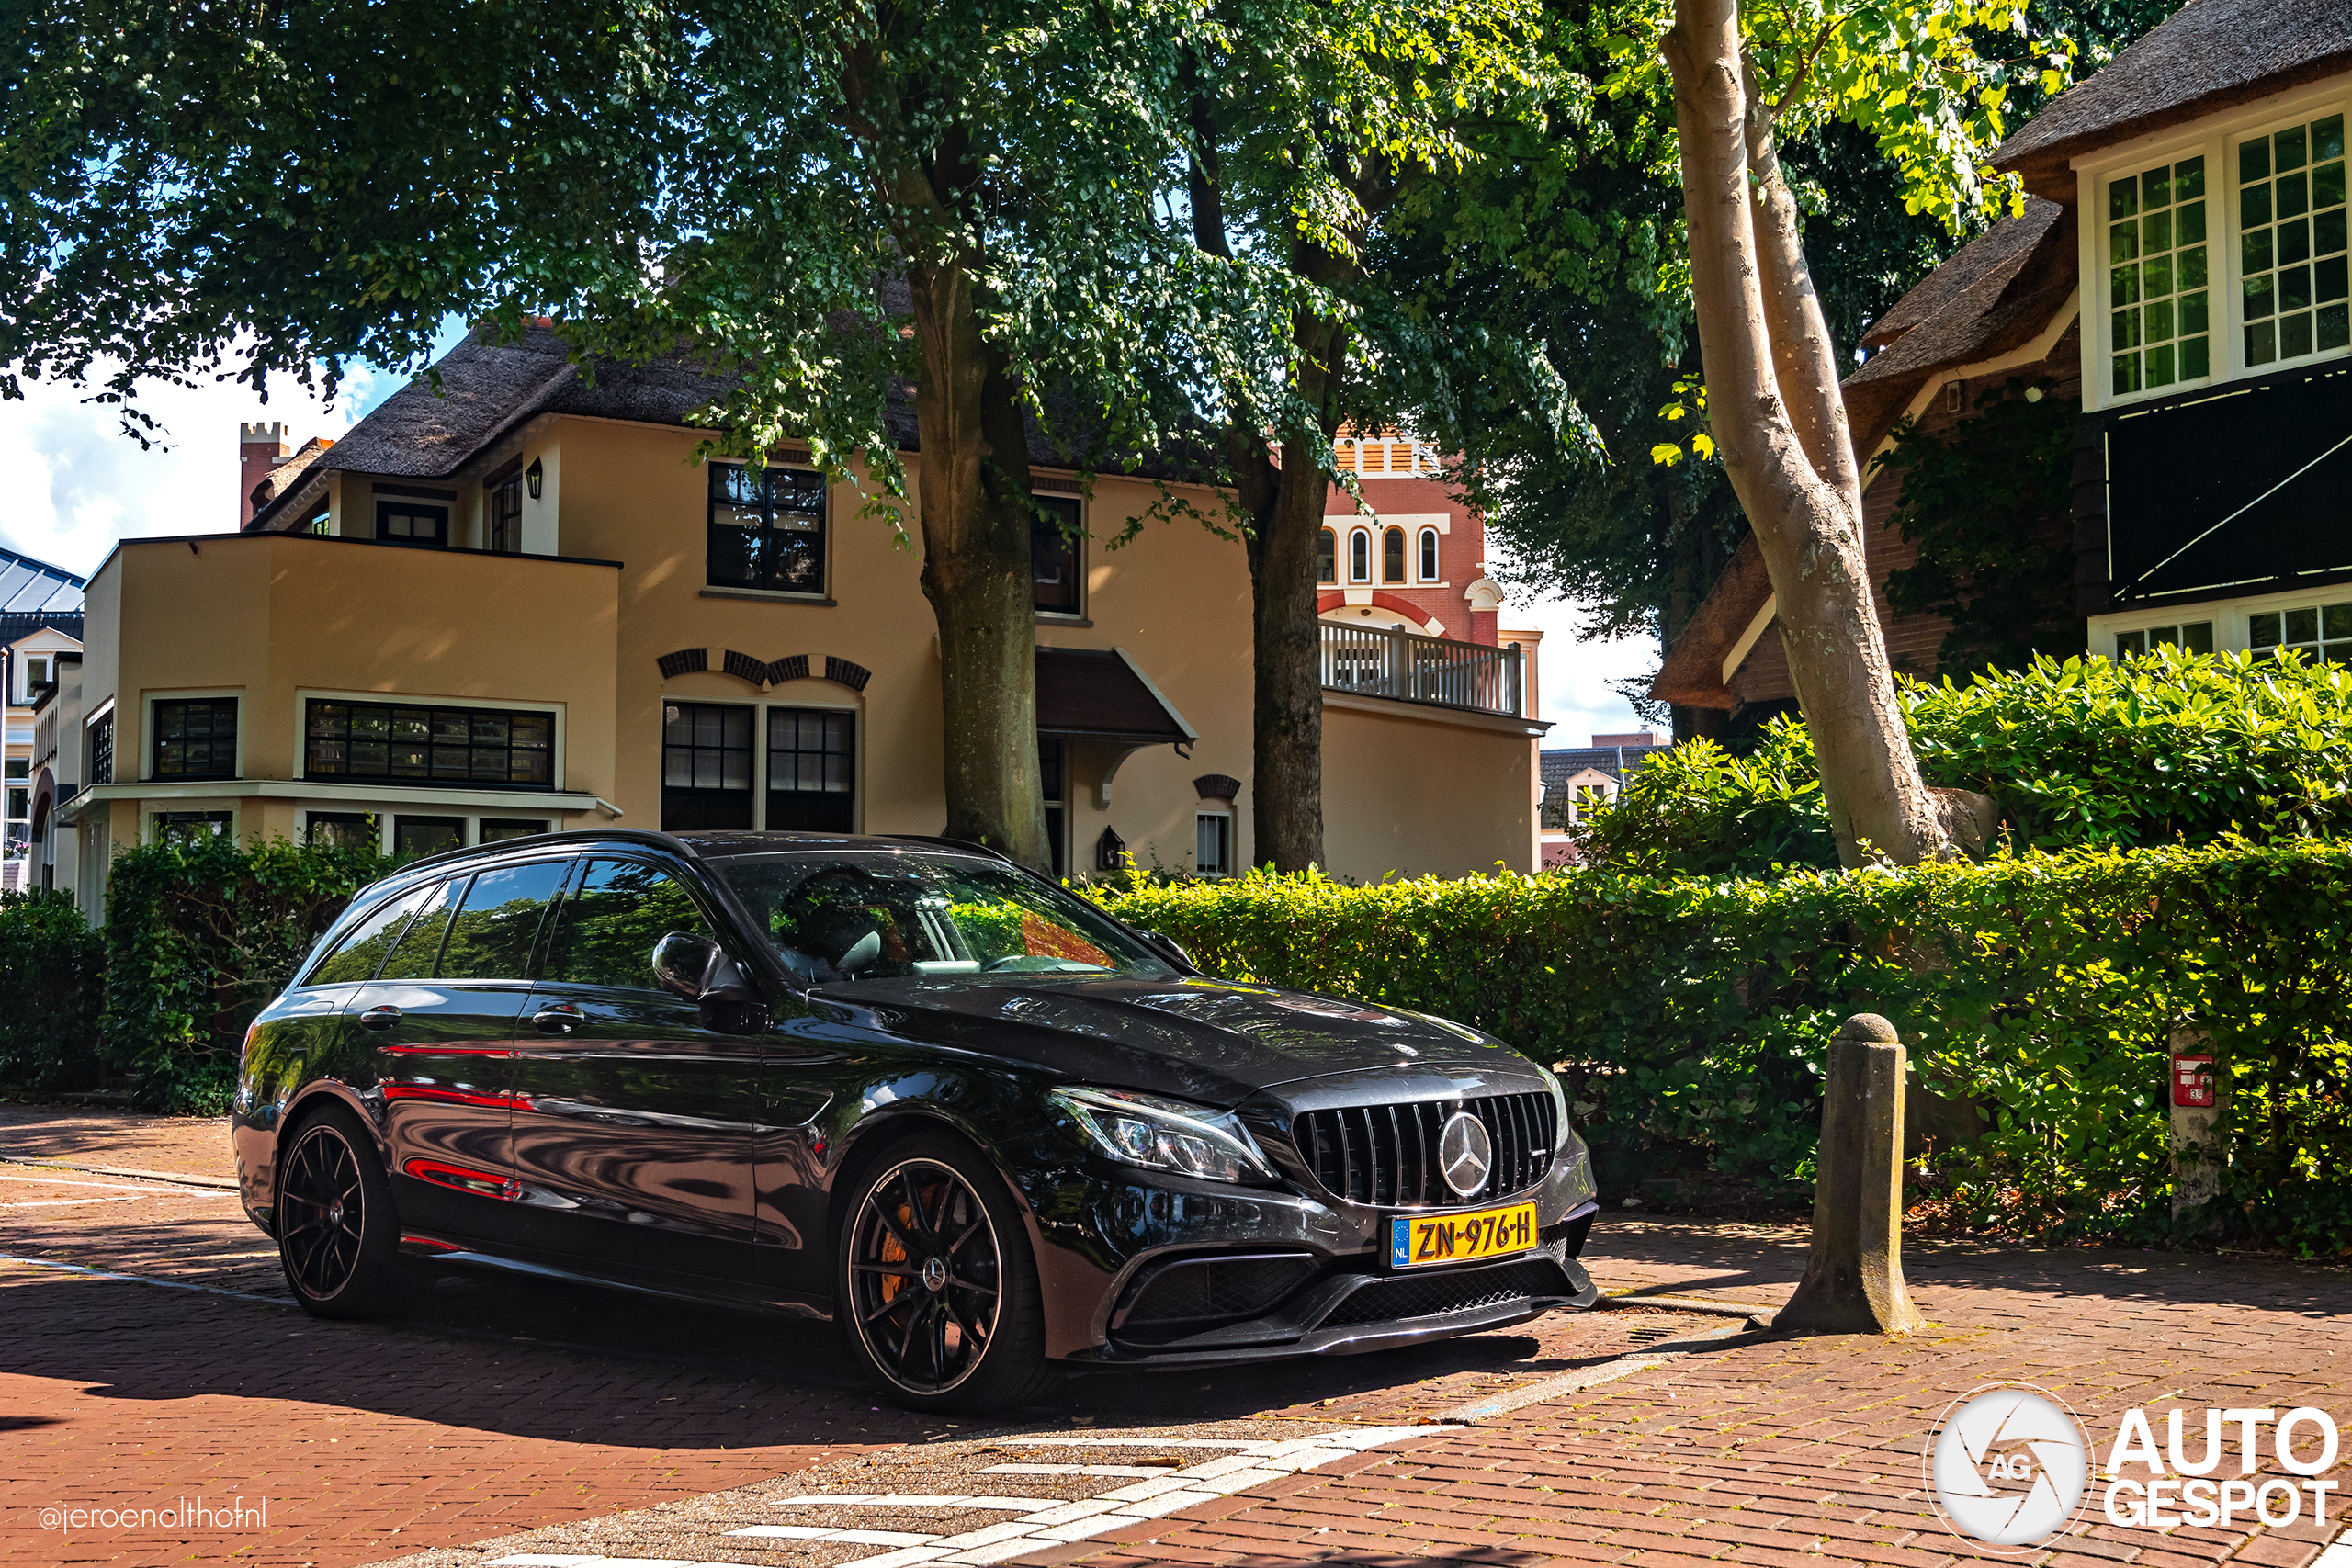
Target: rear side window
(609,927)
(498,925)
(355,957)
(420,945)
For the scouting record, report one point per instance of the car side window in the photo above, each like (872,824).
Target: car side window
(420,945)
(362,948)
(607,928)
(498,924)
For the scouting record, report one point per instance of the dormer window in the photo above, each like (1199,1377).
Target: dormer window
(2159,330)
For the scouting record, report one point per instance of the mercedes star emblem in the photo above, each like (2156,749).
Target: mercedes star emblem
(1464,1154)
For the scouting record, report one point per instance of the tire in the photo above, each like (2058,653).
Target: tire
(335,1266)
(936,1281)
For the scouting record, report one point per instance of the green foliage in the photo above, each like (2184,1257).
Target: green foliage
(1691,1016)
(1990,507)
(50,967)
(200,933)
(2169,745)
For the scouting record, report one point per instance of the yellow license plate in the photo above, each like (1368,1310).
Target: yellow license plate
(1417,1241)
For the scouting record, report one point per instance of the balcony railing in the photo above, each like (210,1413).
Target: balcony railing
(1410,668)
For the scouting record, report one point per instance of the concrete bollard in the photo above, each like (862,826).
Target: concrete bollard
(2196,1095)
(1853,1282)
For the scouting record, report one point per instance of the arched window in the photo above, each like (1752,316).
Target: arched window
(1360,556)
(1392,556)
(1429,554)
(1327,556)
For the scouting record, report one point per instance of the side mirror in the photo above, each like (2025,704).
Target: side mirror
(1168,948)
(695,968)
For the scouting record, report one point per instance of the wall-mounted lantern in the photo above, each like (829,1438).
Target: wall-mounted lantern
(1110,851)
(535,478)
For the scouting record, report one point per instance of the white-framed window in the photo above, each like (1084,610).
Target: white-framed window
(2220,253)
(1360,556)
(1429,554)
(2290,229)
(2316,631)
(1213,838)
(2159,298)
(2195,635)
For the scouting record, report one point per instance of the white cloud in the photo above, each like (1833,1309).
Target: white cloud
(75,483)
(1575,687)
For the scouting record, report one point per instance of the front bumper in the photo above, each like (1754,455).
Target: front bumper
(1104,1235)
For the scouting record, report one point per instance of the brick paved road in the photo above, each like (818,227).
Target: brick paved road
(447,1428)
(1787,1453)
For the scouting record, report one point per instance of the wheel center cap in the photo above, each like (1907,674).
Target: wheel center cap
(335,1213)
(934,1273)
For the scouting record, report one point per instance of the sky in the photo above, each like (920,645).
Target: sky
(75,484)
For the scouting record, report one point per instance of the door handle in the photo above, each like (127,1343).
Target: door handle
(380,1018)
(562,1018)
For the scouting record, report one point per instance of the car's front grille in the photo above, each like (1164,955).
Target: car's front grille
(1460,1289)
(1388,1155)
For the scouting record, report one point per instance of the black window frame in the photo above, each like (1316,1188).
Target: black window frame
(824,809)
(99,743)
(319,735)
(183,707)
(1225,836)
(408,819)
(502,515)
(372,821)
(741,490)
(688,806)
(170,825)
(1054,540)
(388,506)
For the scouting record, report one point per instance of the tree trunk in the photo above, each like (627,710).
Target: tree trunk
(972,500)
(1779,425)
(1286,794)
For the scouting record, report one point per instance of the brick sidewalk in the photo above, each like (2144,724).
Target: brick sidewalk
(1787,1453)
(193,1146)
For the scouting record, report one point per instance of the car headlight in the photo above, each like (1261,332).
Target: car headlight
(1559,1107)
(1165,1134)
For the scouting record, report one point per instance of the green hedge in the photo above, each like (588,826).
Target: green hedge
(50,962)
(2169,745)
(1691,1016)
(200,933)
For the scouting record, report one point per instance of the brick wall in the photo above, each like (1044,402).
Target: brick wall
(1913,643)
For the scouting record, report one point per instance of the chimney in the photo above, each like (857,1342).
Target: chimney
(260,447)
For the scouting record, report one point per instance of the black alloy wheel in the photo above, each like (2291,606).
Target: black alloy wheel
(337,1235)
(939,1284)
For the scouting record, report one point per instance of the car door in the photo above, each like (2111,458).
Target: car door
(633,1107)
(443,1050)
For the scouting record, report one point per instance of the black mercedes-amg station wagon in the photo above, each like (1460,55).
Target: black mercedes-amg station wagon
(902,1084)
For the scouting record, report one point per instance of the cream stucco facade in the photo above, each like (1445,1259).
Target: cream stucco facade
(607,622)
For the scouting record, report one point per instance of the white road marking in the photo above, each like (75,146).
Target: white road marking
(149,1280)
(1054,1521)
(65,1202)
(158,1191)
(908,1500)
(1144,1471)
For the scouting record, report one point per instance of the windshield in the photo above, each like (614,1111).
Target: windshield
(883,916)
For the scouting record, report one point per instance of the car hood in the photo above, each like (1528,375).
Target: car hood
(1213,1040)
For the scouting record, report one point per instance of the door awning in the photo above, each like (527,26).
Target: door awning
(1086,693)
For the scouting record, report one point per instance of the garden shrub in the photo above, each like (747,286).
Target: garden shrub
(1691,1016)
(2168,746)
(200,933)
(50,965)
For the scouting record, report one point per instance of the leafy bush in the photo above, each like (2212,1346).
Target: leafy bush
(2169,745)
(1691,1016)
(200,933)
(50,965)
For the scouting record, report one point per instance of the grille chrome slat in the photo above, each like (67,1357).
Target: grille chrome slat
(1378,1162)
